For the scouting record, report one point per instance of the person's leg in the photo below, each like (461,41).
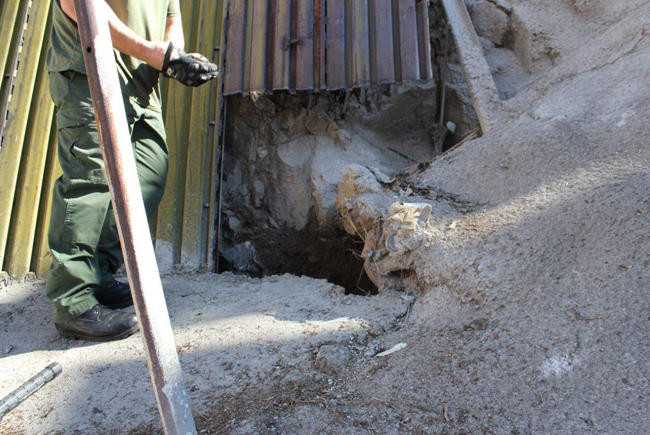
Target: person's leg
(150,149)
(79,206)
(79,203)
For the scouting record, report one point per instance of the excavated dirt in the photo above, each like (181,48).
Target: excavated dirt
(526,253)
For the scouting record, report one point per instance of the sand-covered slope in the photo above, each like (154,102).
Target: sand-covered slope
(534,315)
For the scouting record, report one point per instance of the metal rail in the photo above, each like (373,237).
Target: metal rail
(20,394)
(325,45)
(479,78)
(142,270)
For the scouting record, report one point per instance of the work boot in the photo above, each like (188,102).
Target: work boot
(118,295)
(99,324)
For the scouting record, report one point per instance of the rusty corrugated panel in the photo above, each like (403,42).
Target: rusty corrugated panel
(236,40)
(383,37)
(335,42)
(280,60)
(325,44)
(304,54)
(408,38)
(257,73)
(426,68)
(319,44)
(359,35)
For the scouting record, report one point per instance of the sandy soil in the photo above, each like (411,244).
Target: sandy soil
(246,346)
(531,310)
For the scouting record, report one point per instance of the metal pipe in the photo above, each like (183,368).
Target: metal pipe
(142,270)
(20,394)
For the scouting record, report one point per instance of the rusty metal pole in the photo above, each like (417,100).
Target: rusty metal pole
(142,270)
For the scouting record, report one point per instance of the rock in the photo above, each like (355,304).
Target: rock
(317,122)
(234,224)
(259,191)
(381,177)
(504,5)
(360,200)
(332,359)
(339,135)
(478,325)
(242,256)
(490,21)
(356,180)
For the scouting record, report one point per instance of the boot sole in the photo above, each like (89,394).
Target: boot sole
(121,335)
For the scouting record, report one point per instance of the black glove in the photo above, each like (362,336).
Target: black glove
(190,69)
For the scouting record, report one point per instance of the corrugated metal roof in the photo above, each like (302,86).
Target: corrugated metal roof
(325,44)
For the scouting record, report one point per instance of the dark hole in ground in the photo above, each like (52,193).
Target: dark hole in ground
(331,255)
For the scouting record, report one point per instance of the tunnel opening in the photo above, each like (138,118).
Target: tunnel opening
(334,256)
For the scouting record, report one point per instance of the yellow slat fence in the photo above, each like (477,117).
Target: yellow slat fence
(184,227)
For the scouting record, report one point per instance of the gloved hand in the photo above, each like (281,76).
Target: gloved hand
(190,69)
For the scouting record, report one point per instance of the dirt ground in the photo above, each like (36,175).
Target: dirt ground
(524,311)
(248,347)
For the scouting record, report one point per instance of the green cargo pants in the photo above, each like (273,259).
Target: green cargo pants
(83,237)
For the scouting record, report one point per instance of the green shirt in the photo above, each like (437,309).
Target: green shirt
(147,18)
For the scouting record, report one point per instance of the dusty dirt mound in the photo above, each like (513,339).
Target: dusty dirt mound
(535,309)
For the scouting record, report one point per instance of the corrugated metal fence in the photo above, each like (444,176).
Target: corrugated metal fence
(325,44)
(28,164)
(274,44)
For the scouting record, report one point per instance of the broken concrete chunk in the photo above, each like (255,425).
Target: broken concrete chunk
(332,359)
(381,177)
(410,212)
(273,223)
